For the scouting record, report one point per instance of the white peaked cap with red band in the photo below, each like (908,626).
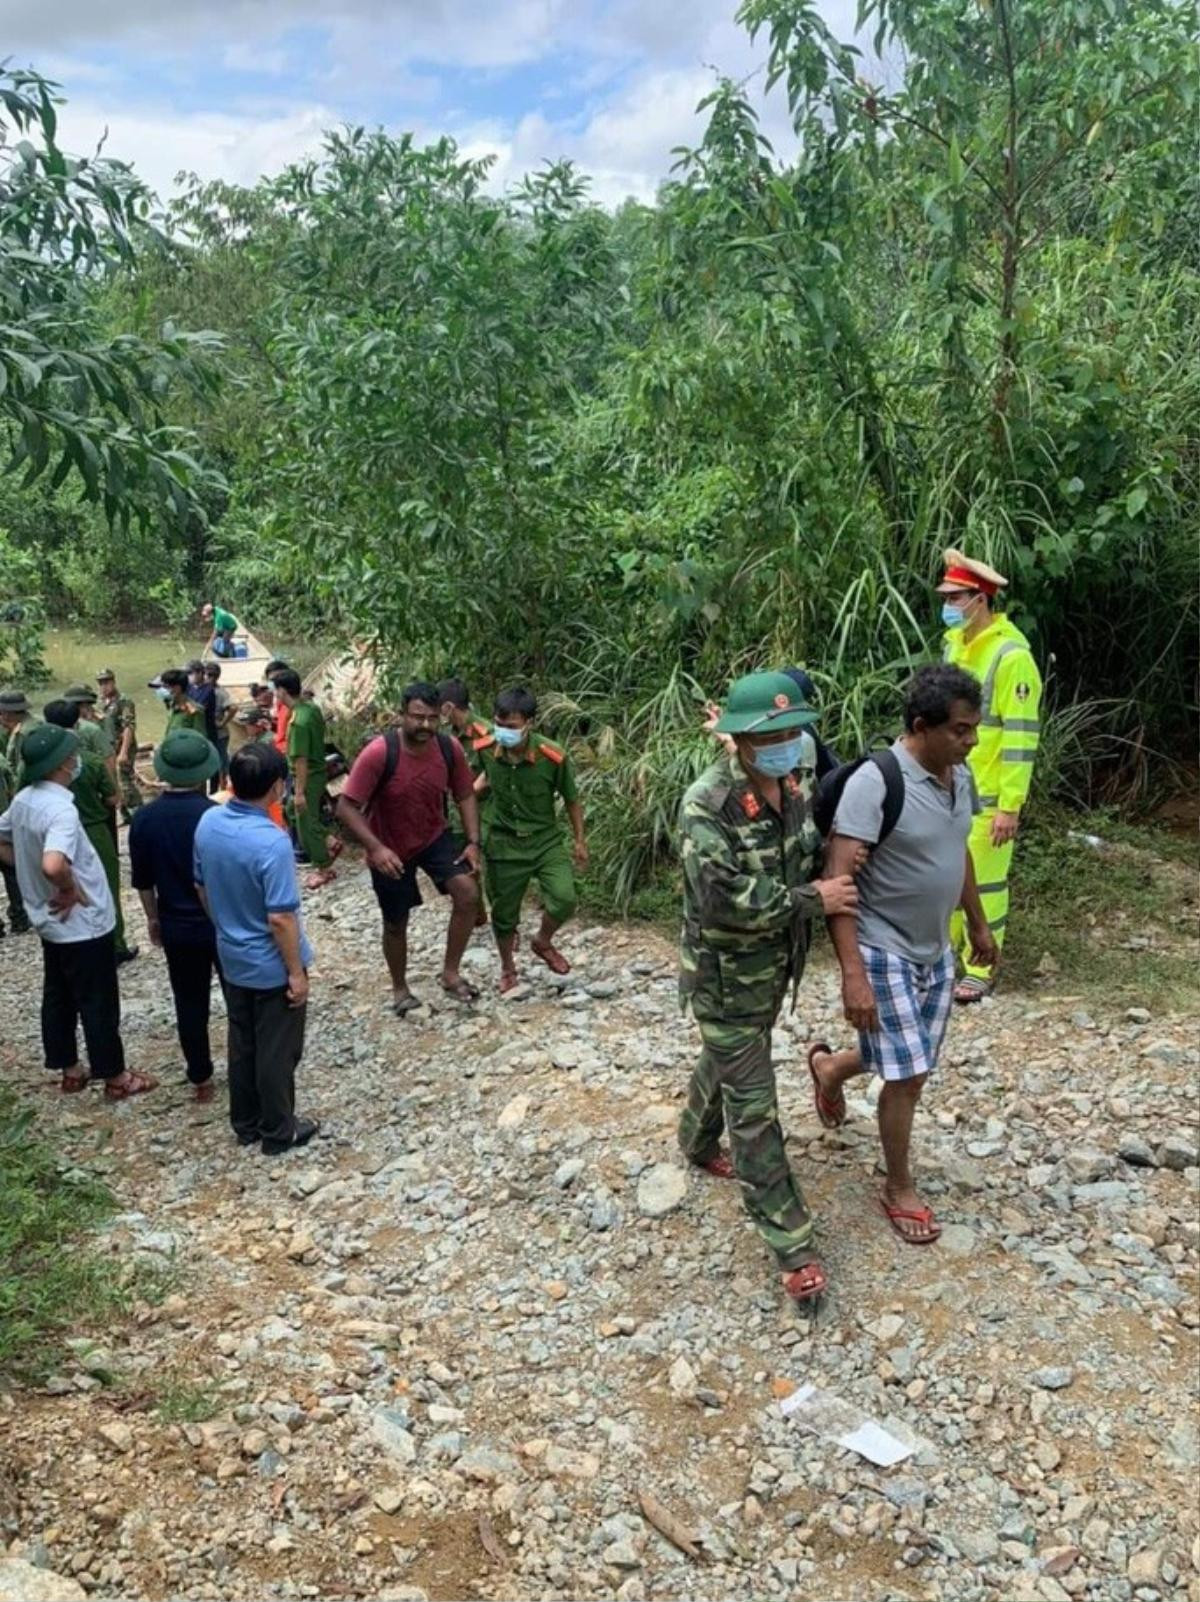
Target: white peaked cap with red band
(964,573)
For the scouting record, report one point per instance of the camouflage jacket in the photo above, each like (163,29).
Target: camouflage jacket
(747,873)
(116,715)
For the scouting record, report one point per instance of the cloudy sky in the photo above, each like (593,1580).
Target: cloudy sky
(237,88)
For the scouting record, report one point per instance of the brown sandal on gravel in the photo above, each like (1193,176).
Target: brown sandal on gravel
(462,990)
(75,1080)
(134,1085)
(806,1283)
(551,956)
(830,1114)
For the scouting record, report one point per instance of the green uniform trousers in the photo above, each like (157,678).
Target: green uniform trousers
(310,831)
(101,836)
(991,864)
(733,1086)
(507,879)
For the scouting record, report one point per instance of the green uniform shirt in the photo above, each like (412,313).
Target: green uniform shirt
(186,716)
(11,766)
(523,789)
(92,791)
(93,738)
(747,892)
(306,736)
(476,734)
(223,622)
(119,714)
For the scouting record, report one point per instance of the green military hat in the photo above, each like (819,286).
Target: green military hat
(762,702)
(81,694)
(105,673)
(186,757)
(46,748)
(14,701)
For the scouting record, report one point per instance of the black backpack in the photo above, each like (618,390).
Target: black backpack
(391,755)
(829,792)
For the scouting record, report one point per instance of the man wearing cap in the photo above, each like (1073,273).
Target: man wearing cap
(69,903)
(161,840)
(92,736)
(256,727)
(985,643)
(118,719)
(15,721)
(96,798)
(750,853)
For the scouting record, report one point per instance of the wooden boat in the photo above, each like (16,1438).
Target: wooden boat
(345,683)
(238,673)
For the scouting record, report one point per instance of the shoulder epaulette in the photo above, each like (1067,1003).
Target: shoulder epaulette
(484,743)
(546,749)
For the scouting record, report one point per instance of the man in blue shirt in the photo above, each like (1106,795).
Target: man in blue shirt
(161,838)
(245,874)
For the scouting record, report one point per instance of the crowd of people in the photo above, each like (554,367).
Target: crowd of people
(904,852)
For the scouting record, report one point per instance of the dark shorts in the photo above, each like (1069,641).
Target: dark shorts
(397,897)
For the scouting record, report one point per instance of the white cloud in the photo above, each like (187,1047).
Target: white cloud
(158,143)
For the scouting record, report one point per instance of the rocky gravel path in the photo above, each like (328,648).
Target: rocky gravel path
(445,1350)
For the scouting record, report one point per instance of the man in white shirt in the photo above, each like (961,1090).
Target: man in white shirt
(66,895)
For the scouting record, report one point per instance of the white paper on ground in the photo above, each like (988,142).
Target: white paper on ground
(839,1421)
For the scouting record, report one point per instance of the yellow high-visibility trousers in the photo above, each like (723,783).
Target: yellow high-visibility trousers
(991,864)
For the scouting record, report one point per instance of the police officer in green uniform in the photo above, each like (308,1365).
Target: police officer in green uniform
(16,719)
(472,733)
(118,719)
(750,853)
(525,775)
(96,802)
(89,729)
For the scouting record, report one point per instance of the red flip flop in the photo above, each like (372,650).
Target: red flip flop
(551,956)
(720,1167)
(921,1215)
(806,1283)
(828,1114)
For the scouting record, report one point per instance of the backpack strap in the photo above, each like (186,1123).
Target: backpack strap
(893,791)
(391,756)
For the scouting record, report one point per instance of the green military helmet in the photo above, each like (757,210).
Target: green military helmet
(81,694)
(760,703)
(45,749)
(186,758)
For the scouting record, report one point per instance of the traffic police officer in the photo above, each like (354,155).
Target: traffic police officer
(750,853)
(988,645)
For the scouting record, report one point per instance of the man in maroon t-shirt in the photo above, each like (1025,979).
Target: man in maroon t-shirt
(401,820)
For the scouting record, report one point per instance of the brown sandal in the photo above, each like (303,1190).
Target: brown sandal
(806,1283)
(551,956)
(830,1114)
(74,1080)
(135,1085)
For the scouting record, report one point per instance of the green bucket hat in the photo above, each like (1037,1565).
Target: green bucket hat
(763,702)
(81,694)
(186,757)
(14,701)
(46,748)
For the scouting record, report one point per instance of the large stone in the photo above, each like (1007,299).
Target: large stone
(660,1190)
(389,1426)
(958,1240)
(513,1114)
(1178,1152)
(21,1582)
(1136,1152)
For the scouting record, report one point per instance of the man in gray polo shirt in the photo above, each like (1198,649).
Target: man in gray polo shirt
(895,953)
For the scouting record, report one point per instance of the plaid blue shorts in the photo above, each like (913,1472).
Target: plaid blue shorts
(914,1001)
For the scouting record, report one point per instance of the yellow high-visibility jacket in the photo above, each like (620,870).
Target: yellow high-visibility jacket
(1002,762)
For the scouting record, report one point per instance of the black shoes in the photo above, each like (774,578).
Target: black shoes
(127,955)
(302,1132)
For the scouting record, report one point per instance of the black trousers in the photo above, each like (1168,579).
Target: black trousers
(17,915)
(79,984)
(190,969)
(266,1042)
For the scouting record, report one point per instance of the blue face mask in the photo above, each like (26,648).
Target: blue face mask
(162,692)
(509,738)
(76,768)
(774,761)
(953,616)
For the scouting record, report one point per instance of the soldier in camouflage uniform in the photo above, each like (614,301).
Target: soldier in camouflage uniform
(16,720)
(750,853)
(118,718)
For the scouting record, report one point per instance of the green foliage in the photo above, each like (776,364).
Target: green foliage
(49,1280)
